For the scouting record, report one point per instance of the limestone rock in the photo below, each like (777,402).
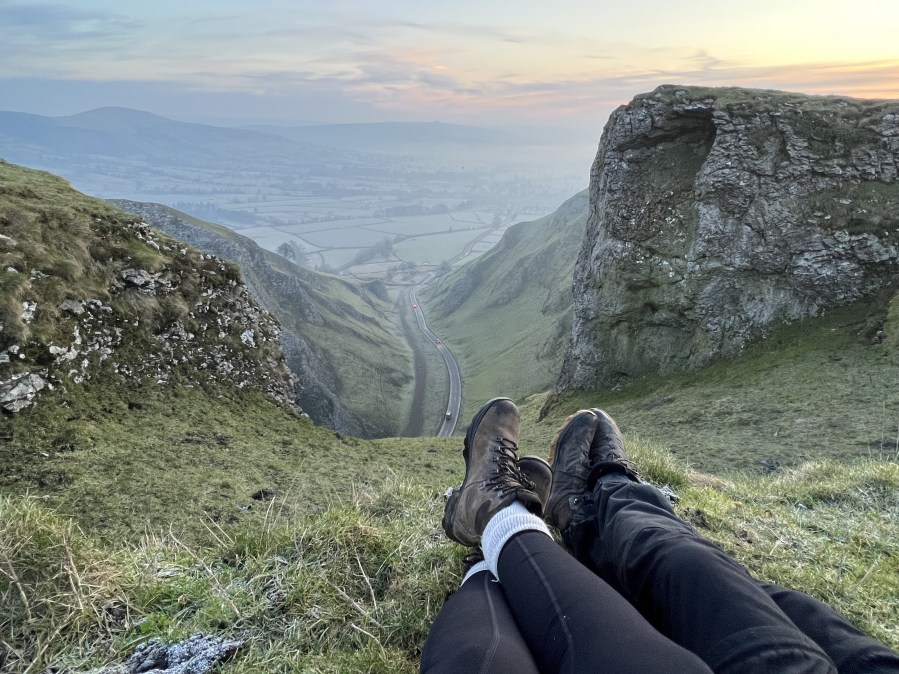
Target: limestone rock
(72,306)
(716,214)
(28,311)
(20,390)
(199,654)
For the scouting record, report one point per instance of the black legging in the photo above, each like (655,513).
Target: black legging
(707,602)
(475,632)
(686,587)
(570,620)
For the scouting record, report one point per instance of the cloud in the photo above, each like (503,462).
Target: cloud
(59,23)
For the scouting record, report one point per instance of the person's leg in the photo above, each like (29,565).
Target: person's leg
(475,632)
(688,588)
(852,651)
(571,620)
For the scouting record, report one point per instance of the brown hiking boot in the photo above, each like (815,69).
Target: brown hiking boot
(540,473)
(492,477)
(569,455)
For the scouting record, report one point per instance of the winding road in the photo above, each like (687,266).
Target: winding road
(454,401)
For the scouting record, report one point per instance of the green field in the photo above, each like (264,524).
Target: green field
(433,249)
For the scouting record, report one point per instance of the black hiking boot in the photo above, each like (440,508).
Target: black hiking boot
(492,477)
(569,455)
(607,453)
(587,446)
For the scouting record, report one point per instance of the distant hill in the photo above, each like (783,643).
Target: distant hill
(134,135)
(354,373)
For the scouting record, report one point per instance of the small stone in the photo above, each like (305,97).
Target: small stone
(19,391)
(72,306)
(28,310)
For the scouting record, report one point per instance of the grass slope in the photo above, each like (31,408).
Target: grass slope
(344,568)
(507,315)
(355,588)
(817,389)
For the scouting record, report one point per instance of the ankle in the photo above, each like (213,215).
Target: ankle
(507,522)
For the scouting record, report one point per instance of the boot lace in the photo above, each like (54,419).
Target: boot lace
(506,476)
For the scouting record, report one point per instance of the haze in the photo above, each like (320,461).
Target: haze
(532,83)
(564,64)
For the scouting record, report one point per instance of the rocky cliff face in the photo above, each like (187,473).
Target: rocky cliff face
(90,292)
(716,214)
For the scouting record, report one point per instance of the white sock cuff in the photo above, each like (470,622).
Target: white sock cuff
(476,568)
(502,526)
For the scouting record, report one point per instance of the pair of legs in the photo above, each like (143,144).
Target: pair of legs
(547,613)
(642,592)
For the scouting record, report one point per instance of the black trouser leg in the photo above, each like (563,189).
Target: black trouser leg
(687,587)
(475,632)
(572,621)
(852,651)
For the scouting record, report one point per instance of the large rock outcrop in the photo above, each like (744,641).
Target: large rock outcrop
(716,214)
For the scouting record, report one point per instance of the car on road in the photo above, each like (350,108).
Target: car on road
(415,306)
(449,415)
(439,342)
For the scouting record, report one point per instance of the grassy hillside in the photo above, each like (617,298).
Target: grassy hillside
(507,315)
(824,388)
(355,587)
(341,566)
(132,508)
(340,336)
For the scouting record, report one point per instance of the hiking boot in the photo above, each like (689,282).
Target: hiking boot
(540,473)
(475,556)
(569,455)
(492,477)
(607,453)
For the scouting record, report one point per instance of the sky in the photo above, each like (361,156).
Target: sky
(502,63)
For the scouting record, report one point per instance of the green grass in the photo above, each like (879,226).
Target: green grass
(355,588)
(507,315)
(818,389)
(187,456)
(433,248)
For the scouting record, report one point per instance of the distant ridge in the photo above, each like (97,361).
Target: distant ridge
(123,133)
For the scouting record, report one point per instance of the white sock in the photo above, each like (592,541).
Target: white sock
(502,526)
(476,568)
